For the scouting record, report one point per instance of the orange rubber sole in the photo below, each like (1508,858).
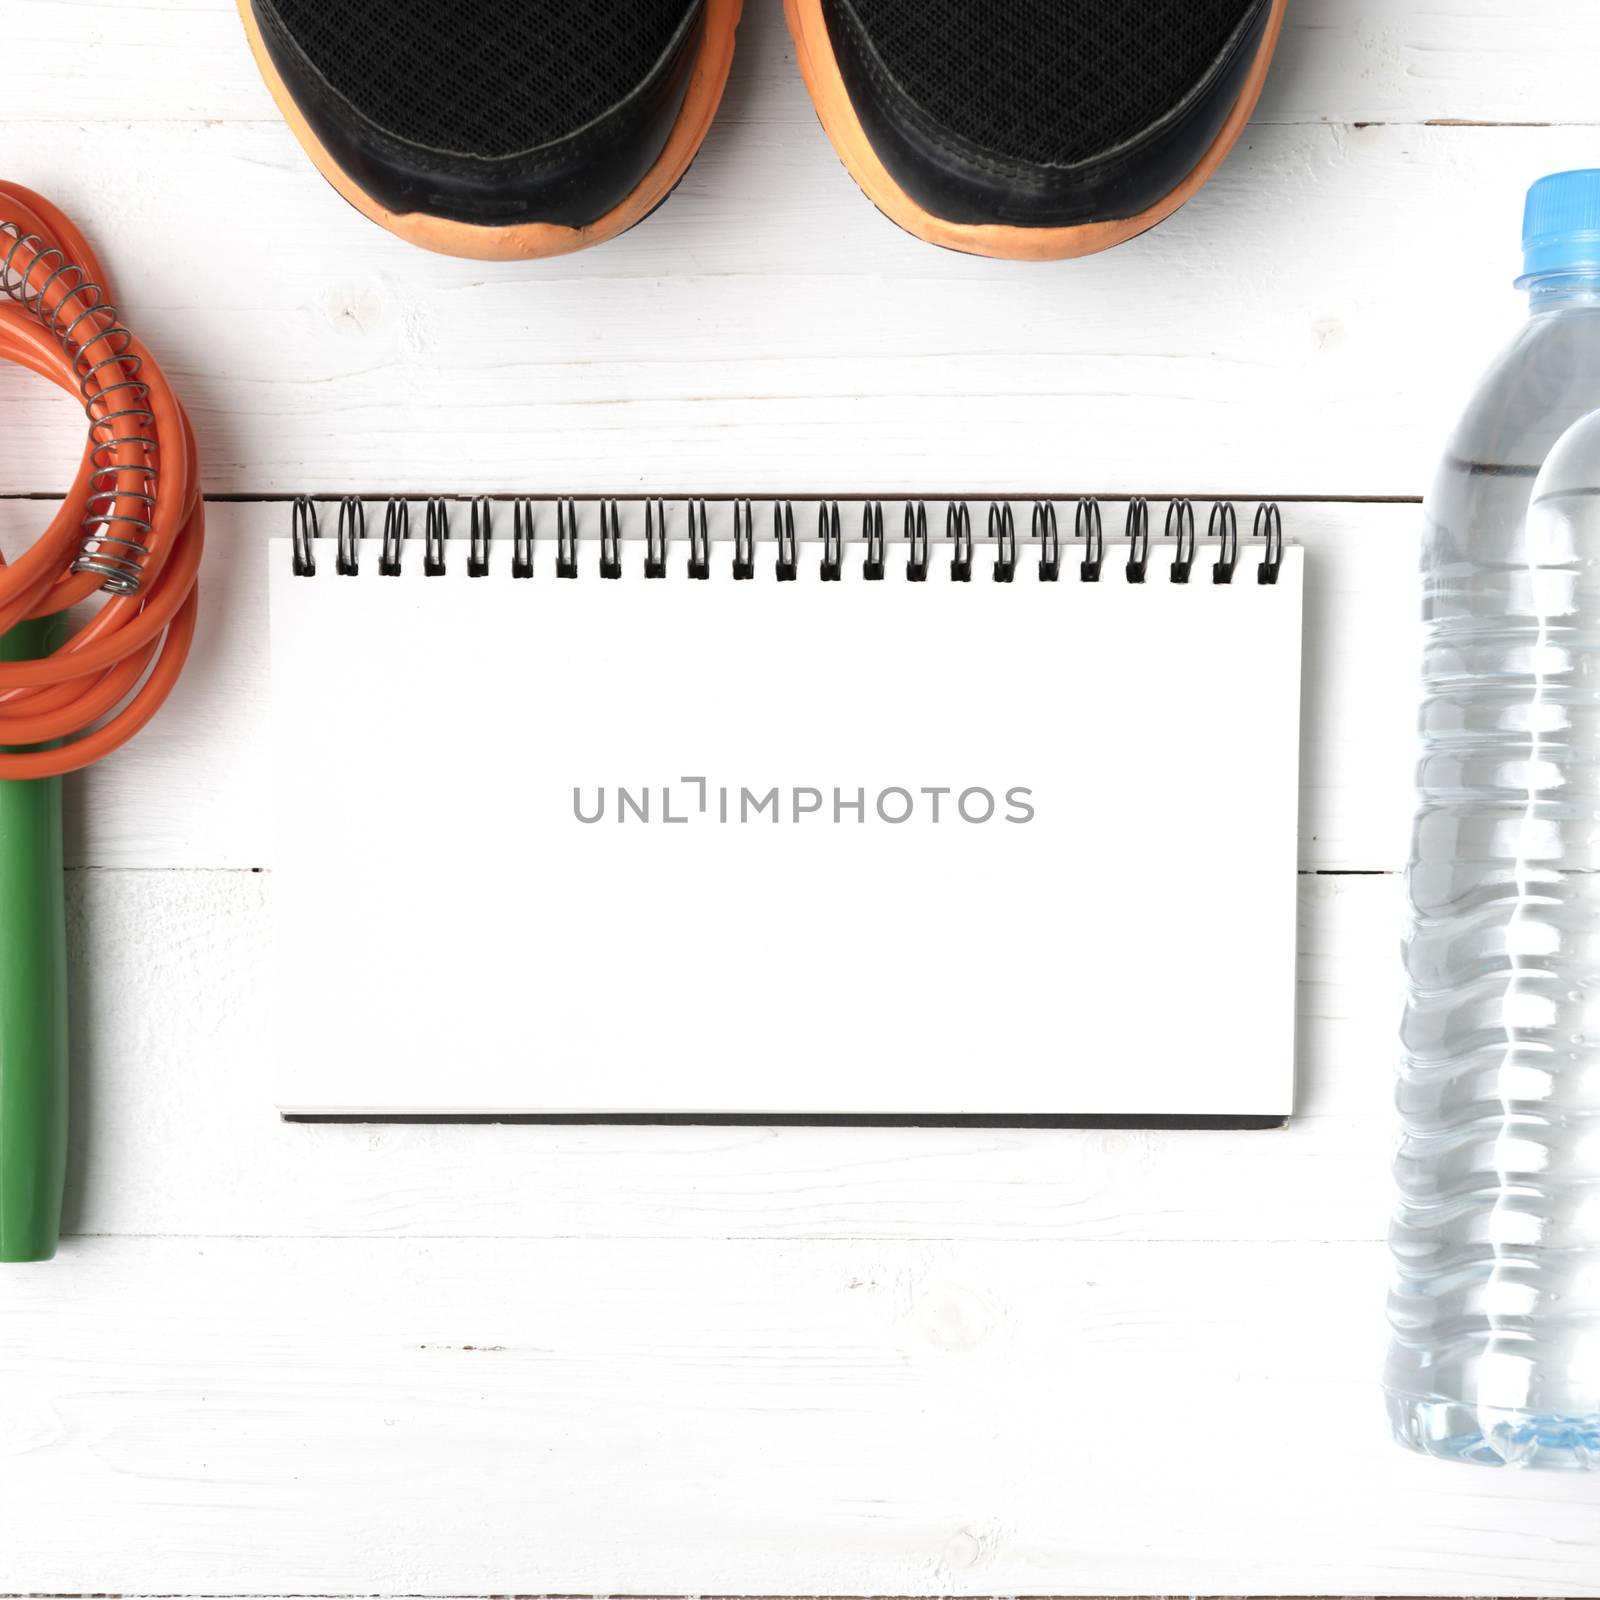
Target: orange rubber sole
(820,69)
(532,240)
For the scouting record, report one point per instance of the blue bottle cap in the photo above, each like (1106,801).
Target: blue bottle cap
(1561,232)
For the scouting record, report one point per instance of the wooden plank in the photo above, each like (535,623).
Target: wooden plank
(174,1131)
(768,330)
(1340,61)
(598,1416)
(195,791)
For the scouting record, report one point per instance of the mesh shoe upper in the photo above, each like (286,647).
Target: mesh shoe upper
(1049,81)
(493,112)
(1043,112)
(484,77)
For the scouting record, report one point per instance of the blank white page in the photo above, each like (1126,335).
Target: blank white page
(759,848)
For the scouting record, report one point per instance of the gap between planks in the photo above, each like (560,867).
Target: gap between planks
(86,867)
(893,496)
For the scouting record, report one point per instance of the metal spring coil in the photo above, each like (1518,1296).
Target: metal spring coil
(117,519)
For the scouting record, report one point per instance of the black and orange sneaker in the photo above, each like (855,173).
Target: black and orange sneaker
(1033,129)
(497,128)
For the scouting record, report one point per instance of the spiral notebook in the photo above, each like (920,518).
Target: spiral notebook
(698,812)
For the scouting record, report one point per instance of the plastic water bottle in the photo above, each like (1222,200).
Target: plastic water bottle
(1496,1311)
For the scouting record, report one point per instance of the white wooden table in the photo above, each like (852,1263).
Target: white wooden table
(450,1361)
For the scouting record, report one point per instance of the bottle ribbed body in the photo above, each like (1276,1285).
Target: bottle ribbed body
(1496,1308)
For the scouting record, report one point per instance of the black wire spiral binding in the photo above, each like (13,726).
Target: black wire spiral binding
(303,536)
(917,539)
(744,541)
(655,538)
(482,537)
(610,540)
(566,539)
(699,541)
(832,540)
(1048,532)
(435,536)
(1224,527)
(1003,535)
(352,530)
(1269,526)
(1180,527)
(396,527)
(874,566)
(522,539)
(788,563)
(1138,534)
(1088,532)
(1089,527)
(958,529)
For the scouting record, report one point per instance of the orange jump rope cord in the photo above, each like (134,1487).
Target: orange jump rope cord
(136,498)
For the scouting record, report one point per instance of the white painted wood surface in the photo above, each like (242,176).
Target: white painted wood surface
(1297,330)
(430,1361)
(769,330)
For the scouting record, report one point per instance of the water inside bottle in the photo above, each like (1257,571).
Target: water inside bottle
(1496,1314)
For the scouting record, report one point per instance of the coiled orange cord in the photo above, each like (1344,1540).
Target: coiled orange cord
(132,524)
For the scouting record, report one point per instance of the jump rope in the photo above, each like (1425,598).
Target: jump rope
(131,529)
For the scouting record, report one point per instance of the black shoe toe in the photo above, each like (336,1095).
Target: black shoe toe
(496,113)
(1043,113)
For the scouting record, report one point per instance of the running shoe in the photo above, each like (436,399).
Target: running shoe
(1033,129)
(497,128)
